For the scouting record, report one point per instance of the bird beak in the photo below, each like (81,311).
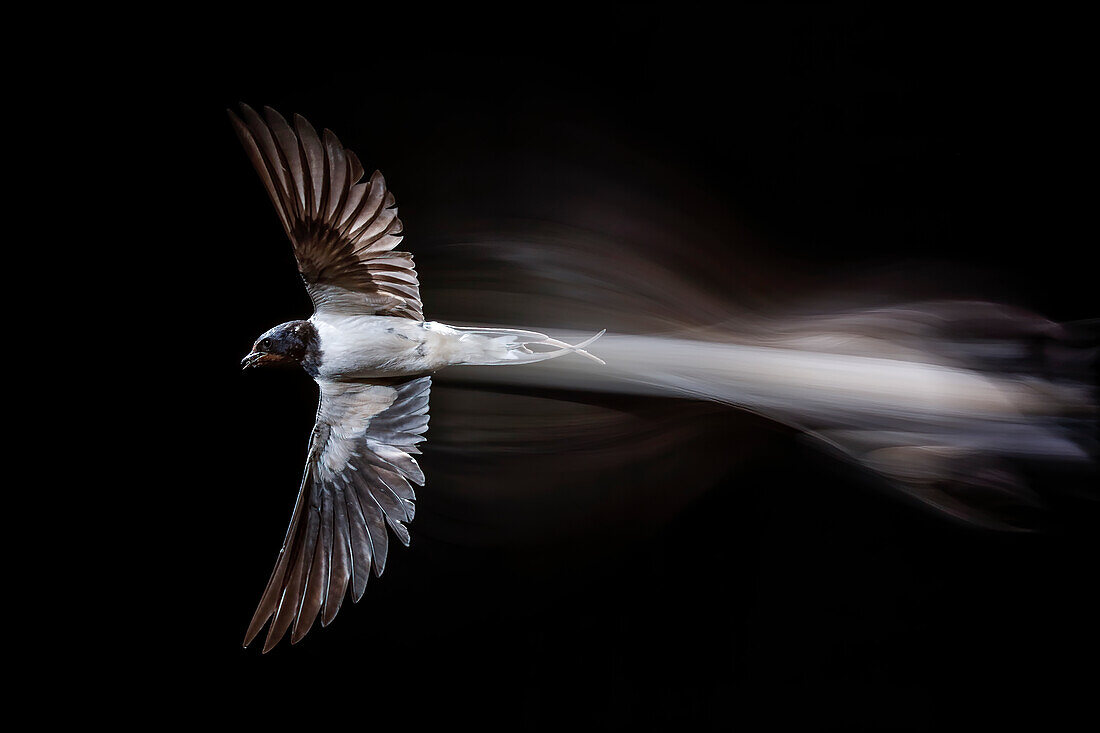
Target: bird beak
(253,358)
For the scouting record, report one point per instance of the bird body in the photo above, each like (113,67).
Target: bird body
(372,354)
(357,347)
(365,347)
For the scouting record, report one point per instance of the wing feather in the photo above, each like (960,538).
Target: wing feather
(263,153)
(316,576)
(287,143)
(362,547)
(397,485)
(376,523)
(316,165)
(290,601)
(382,494)
(340,569)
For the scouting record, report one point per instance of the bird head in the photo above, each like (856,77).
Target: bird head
(285,345)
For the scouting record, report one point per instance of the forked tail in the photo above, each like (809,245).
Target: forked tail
(492,346)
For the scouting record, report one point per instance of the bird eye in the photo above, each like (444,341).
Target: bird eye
(266,343)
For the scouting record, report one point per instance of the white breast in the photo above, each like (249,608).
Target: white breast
(362,347)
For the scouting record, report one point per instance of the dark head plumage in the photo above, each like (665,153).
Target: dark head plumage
(288,344)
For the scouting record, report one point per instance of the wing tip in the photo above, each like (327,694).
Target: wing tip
(254,629)
(270,644)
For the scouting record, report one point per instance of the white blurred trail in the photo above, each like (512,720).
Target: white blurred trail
(916,418)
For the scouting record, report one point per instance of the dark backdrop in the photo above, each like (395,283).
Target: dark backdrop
(789,591)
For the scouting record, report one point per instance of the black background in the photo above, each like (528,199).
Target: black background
(790,592)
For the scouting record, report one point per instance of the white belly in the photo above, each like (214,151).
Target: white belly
(364,347)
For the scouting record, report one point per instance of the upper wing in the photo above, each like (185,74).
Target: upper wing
(343,231)
(356,482)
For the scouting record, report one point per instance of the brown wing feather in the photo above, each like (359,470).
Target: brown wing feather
(343,230)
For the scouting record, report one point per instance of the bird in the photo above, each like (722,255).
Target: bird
(372,354)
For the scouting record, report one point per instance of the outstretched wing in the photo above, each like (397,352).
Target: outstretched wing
(357,480)
(343,231)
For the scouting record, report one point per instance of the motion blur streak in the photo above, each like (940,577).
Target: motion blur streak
(950,401)
(923,425)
